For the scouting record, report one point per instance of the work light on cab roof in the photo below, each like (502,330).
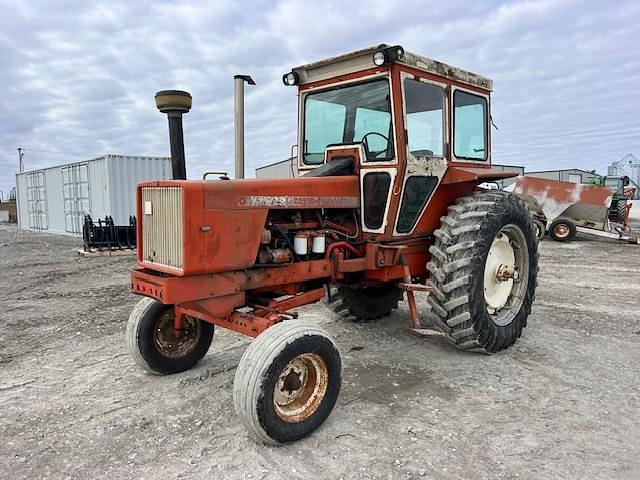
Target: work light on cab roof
(392,147)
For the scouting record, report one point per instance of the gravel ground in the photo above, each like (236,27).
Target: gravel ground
(562,403)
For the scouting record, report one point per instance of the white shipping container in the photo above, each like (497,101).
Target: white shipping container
(55,199)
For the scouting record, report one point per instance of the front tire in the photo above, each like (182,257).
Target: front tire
(154,343)
(484,268)
(287,382)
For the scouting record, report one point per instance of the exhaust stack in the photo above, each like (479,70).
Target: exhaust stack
(238,83)
(174,103)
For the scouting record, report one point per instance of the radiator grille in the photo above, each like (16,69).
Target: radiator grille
(162,226)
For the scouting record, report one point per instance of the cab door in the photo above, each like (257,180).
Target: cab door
(425,123)
(378,165)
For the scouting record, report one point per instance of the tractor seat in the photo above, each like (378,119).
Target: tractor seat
(338,167)
(422,153)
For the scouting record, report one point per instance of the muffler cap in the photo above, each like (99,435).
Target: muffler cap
(177,101)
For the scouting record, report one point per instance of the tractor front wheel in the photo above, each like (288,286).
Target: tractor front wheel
(484,267)
(155,344)
(287,382)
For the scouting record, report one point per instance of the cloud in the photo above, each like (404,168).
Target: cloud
(78,78)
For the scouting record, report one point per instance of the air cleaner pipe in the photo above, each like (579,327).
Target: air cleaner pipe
(174,103)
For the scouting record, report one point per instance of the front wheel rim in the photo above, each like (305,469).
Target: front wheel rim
(171,343)
(506,275)
(300,387)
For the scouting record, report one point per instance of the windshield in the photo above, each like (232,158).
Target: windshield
(614,182)
(349,114)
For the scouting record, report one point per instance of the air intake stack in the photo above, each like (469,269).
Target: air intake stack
(174,103)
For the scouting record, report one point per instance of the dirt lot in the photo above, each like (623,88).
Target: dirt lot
(563,403)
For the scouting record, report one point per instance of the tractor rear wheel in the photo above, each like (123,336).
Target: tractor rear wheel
(562,230)
(156,346)
(484,267)
(287,381)
(365,304)
(618,214)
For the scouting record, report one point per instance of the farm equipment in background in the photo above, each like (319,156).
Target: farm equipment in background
(105,235)
(393,146)
(564,208)
(622,194)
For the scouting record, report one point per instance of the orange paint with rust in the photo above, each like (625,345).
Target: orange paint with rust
(223,220)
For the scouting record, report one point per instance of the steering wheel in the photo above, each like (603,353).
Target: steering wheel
(366,144)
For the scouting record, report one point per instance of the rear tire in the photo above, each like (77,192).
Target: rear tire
(483,237)
(562,230)
(153,342)
(287,382)
(618,214)
(363,305)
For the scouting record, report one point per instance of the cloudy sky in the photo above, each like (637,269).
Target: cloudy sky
(78,78)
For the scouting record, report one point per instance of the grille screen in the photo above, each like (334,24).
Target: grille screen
(162,226)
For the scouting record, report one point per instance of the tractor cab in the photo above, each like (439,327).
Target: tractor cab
(617,184)
(403,123)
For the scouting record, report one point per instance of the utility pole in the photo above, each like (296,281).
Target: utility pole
(20,157)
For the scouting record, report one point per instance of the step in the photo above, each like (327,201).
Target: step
(426,333)
(415,287)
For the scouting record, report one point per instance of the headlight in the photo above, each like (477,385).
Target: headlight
(388,55)
(379,58)
(290,79)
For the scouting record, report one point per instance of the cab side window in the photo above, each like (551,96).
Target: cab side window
(469,126)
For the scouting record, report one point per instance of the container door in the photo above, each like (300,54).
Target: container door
(75,192)
(36,201)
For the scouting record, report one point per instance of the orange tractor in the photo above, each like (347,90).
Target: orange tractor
(392,147)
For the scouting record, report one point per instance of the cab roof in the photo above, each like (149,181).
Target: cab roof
(363,60)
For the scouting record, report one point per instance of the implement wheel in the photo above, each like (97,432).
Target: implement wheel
(484,268)
(365,304)
(562,230)
(539,228)
(157,347)
(287,382)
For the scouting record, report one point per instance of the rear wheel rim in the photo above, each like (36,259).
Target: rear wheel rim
(300,388)
(506,275)
(169,341)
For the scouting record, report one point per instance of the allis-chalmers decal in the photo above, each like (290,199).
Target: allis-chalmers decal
(297,202)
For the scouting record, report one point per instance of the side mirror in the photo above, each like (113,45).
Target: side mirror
(625,181)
